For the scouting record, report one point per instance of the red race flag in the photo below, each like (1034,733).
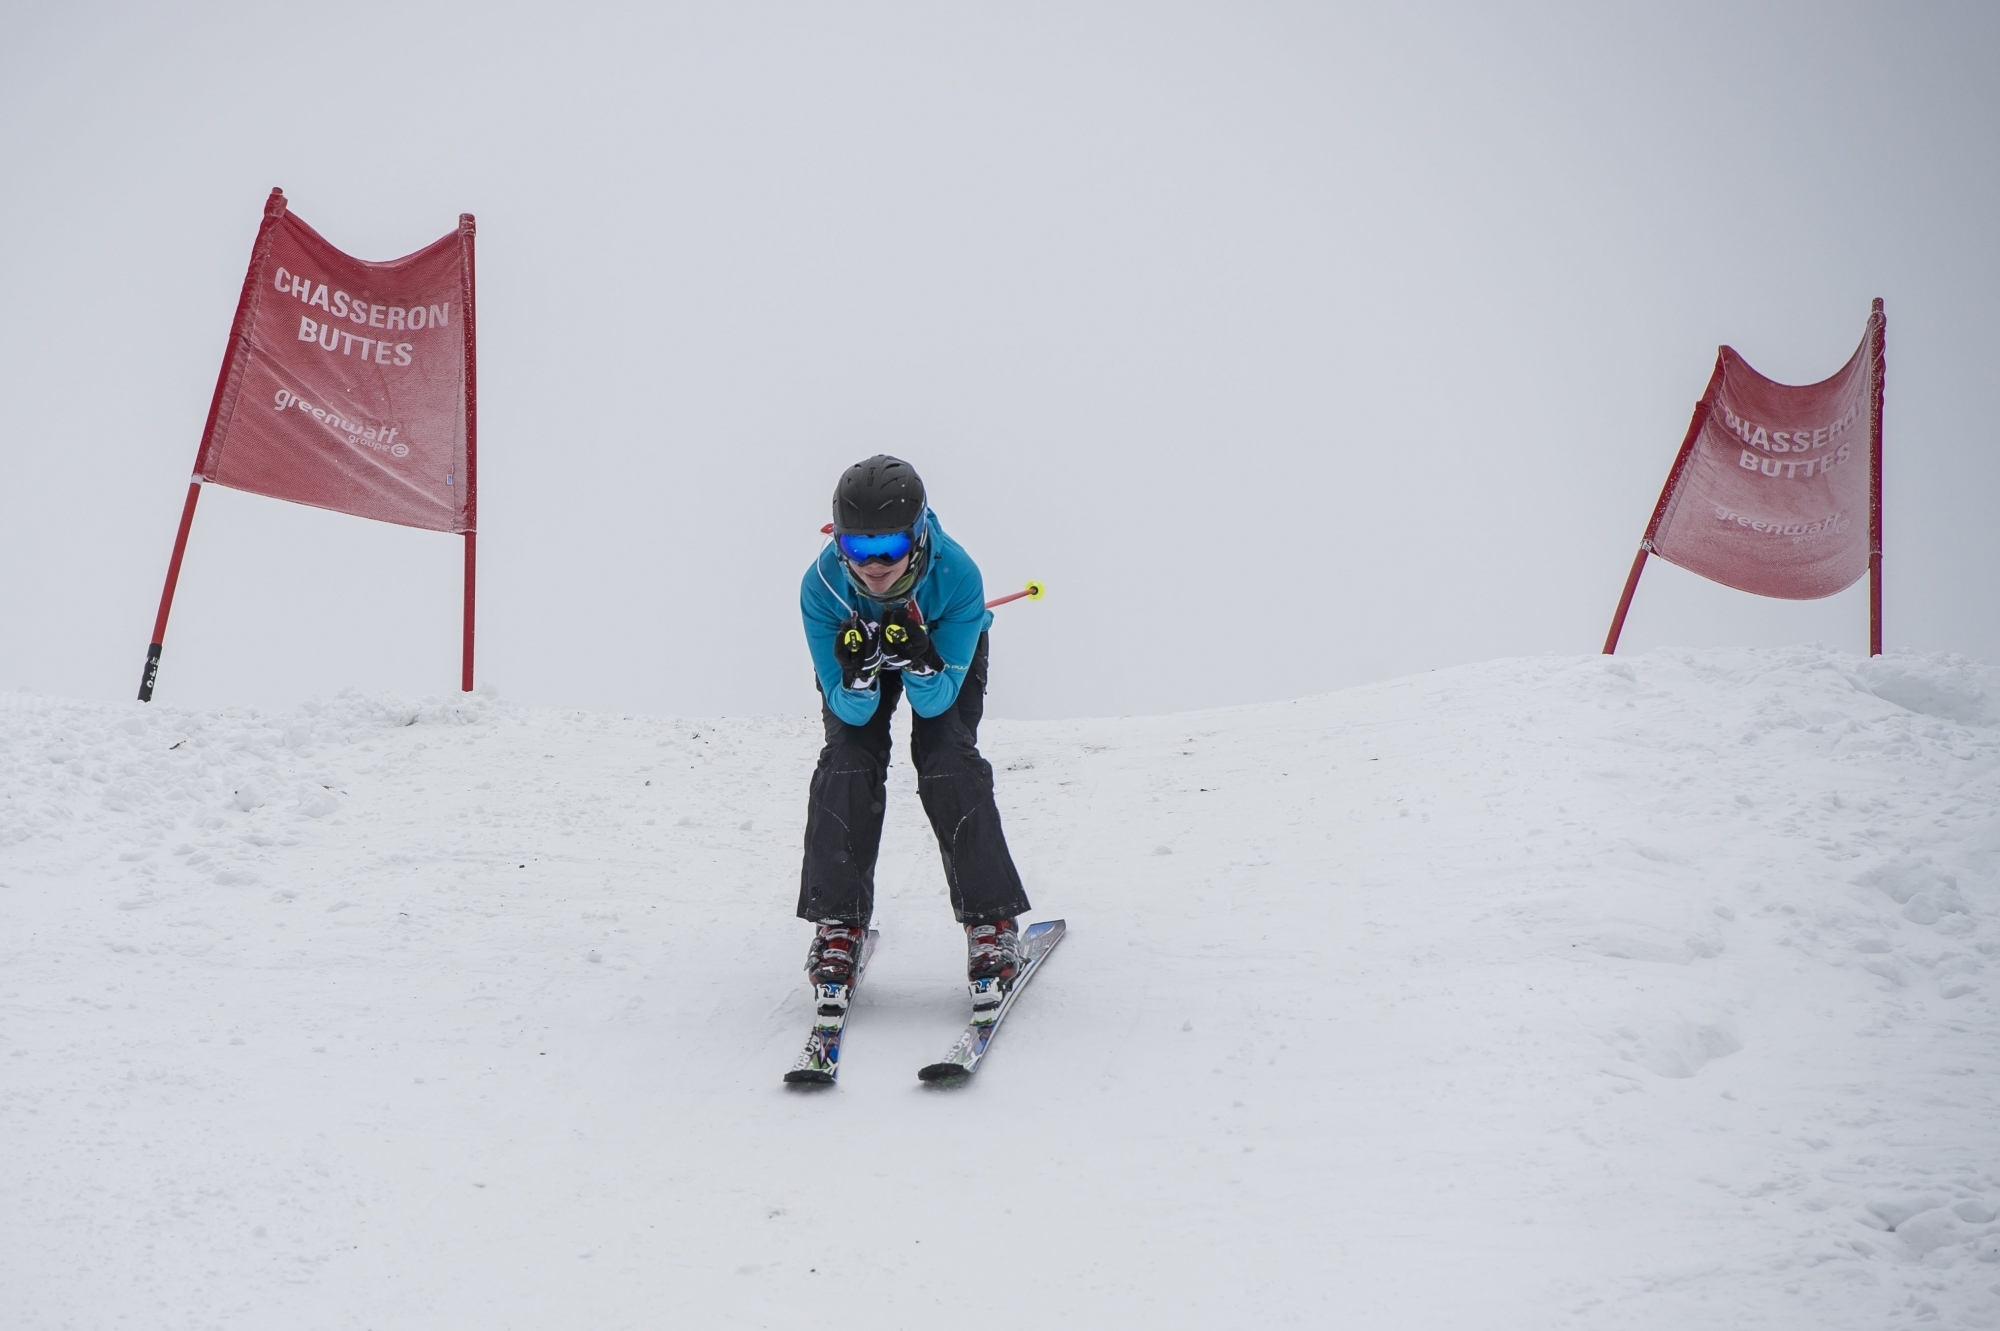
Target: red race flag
(1774,497)
(347,385)
(1777,489)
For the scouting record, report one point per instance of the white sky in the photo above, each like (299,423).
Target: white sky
(1292,345)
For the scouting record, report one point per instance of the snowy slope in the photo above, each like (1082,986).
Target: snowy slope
(1641,993)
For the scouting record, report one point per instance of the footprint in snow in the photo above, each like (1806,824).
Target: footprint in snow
(1673,1046)
(1936,1234)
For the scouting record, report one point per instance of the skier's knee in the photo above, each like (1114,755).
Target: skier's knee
(947,755)
(848,757)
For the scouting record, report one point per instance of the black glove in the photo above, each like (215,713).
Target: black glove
(857,645)
(906,643)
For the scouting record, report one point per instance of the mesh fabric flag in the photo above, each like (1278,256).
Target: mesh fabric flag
(1774,492)
(346,384)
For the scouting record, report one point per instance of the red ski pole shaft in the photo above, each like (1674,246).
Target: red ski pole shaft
(1033,591)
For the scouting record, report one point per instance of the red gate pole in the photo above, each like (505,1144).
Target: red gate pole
(146,681)
(465,234)
(1878,372)
(1700,418)
(274,208)
(1625,600)
(465,658)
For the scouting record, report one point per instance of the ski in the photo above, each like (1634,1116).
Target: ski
(958,1063)
(819,1062)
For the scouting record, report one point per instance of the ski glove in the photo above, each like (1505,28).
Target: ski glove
(906,643)
(857,645)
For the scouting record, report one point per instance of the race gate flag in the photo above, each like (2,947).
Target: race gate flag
(1777,489)
(347,385)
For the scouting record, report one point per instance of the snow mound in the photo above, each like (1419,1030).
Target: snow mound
(1570,991)
(1950,687)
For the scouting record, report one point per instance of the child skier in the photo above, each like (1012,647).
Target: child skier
(894,606)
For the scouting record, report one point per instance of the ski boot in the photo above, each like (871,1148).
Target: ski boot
(992,960)
(830,964)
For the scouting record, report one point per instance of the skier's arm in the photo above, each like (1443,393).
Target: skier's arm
(955,633)
(823,614)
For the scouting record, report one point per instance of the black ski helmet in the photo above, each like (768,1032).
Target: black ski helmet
(881,494)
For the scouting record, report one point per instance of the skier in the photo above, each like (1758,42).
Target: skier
(893,606)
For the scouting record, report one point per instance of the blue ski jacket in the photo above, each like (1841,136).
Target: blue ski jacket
(952,597)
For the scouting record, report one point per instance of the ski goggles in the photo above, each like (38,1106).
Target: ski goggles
(886,548)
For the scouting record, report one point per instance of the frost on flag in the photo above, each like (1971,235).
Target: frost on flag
(346,384)
(1774,490)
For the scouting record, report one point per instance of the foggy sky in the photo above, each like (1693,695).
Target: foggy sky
(1293,346)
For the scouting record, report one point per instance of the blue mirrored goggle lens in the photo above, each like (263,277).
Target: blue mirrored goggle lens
(888,547)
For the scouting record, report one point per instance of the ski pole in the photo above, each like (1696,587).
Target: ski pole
(1033,591)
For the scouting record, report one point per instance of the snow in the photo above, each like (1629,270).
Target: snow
(1650,992)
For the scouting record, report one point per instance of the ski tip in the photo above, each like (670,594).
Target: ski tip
(1045,927)
(947,1073)
(808,1077)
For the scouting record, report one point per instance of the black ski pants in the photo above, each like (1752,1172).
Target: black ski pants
(844,816)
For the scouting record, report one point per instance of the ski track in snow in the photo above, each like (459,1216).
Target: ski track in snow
(1648,992)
